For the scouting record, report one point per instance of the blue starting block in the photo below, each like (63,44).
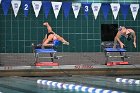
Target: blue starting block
(52,52)
(122,52)
(115,50)
(45,51)
(37,50)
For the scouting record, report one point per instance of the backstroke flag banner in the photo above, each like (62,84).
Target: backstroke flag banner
(105,9)
(46,7)
(95,8)
(115,7)
(66,6)
(15,6)
(76,8)
(36,6)
(56,8)
(26,4)
(124,9)
(5,6)
(86,8)
(134,9)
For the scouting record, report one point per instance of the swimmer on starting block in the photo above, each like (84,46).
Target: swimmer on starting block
(51,36)
(127,33)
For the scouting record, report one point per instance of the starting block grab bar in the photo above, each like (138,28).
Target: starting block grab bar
(119,56)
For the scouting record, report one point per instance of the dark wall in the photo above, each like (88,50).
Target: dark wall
(84,34)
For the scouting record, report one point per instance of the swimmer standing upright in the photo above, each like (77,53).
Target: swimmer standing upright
(51,36)
(127,33)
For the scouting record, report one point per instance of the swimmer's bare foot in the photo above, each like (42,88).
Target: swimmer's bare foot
(45,23)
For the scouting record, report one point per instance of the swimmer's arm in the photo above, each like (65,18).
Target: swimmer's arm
(117,39)
(44,39)
(134,42)
(134,35)
(62,39)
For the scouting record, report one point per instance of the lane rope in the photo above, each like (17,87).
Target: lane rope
(74,87)
(127,81)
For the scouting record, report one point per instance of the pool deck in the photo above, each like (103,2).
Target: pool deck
(69,70)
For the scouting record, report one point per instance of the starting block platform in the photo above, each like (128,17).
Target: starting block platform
(45,51)
(46,64)
(122,55)
(115,50)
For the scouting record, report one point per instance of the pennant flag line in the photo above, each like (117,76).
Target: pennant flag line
(115,9)
(86,8)
(66,6)
(15,6)
(26,6)
(124,9)
(5,6)
(36,6)
(95,8)
(134,9)
(46,7)
(105,9)
(76,8)
(56,8)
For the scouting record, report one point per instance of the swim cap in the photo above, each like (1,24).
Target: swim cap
(56,42)
(120,28)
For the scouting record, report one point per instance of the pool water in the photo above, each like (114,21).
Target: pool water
(29,84)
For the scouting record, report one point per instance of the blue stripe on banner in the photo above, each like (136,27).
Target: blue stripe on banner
(124,9)
(66,6)
(86,8)
(105,9)
(5,6)
(46,7)
(26,6)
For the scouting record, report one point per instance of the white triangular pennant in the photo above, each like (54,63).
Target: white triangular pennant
(0,1)
(115,9)
(56,8)
(36,6)
(15,6)
(134,9)
(76,8)
(95,8)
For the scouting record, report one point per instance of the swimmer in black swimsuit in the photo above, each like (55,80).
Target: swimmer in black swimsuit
(128,33)
(51,36)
